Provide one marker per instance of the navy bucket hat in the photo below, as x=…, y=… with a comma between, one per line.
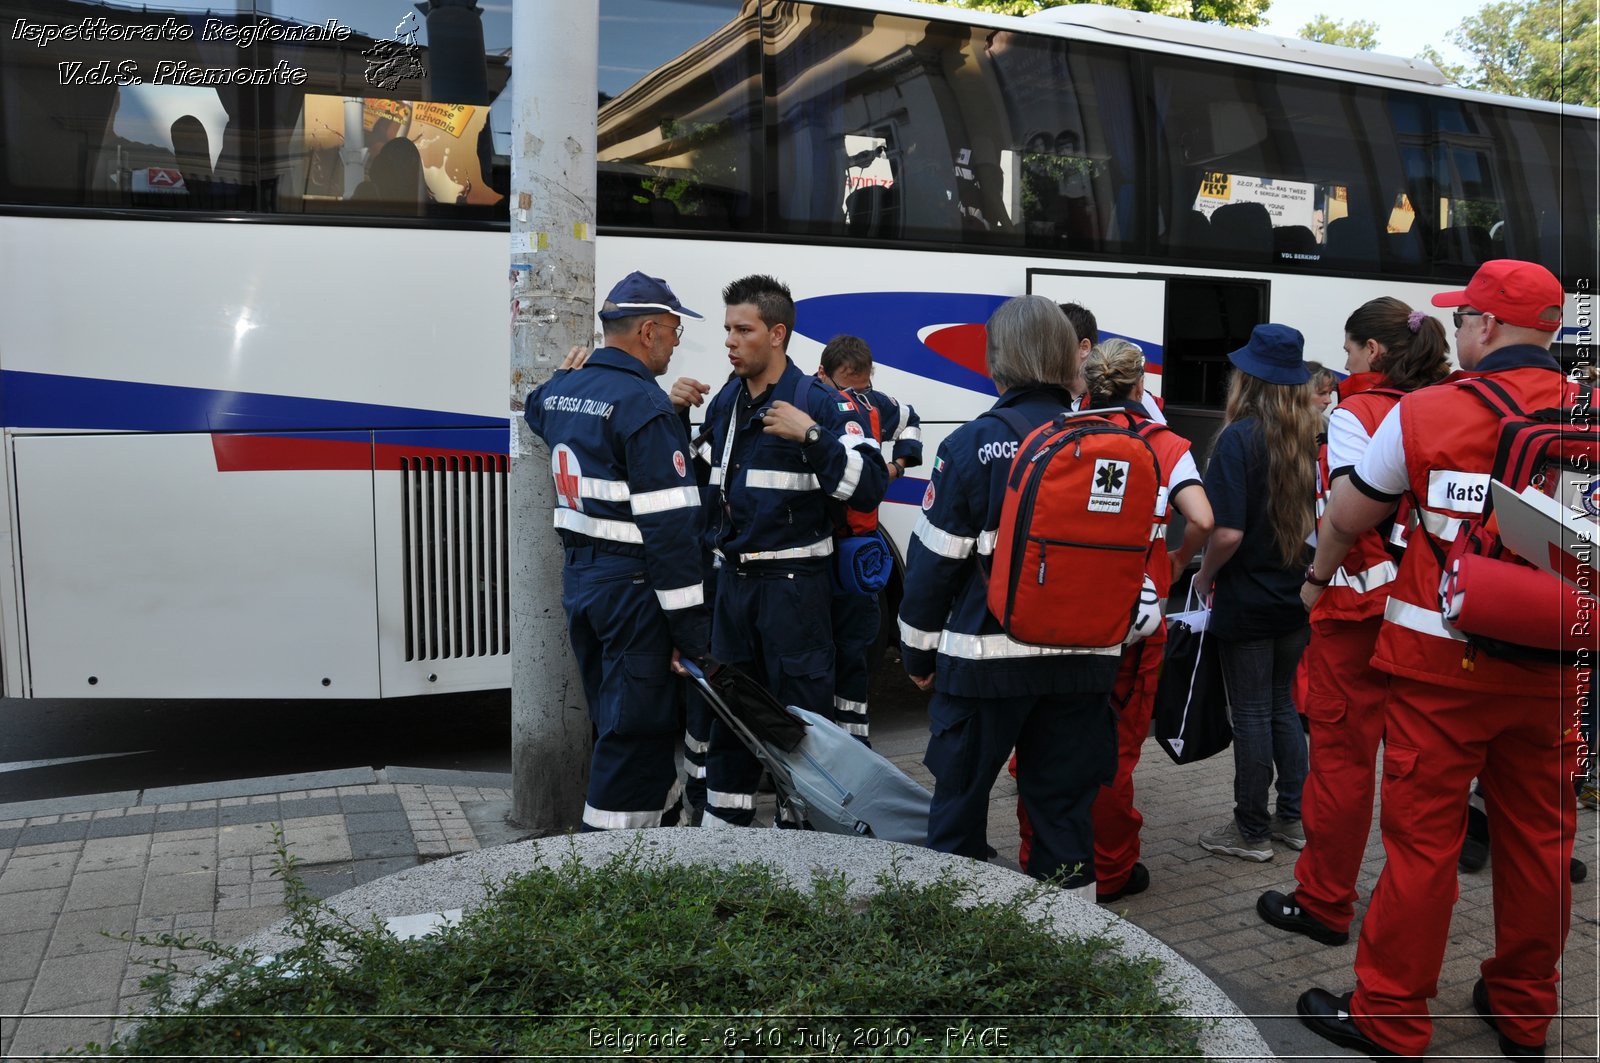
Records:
x=1275, y=353
x=638, y=294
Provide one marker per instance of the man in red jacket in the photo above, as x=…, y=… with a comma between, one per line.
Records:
x=1454, y=713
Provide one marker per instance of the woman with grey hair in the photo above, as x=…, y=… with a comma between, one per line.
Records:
x=990, y=693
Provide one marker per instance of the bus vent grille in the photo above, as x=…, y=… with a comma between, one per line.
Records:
x=453, y=535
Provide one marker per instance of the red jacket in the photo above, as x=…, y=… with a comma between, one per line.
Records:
x=1450, y=440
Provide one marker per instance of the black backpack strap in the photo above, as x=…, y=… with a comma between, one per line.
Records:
x=1492, y=395
x=1012, y=420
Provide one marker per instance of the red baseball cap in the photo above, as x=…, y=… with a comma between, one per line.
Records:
x=1518, y=293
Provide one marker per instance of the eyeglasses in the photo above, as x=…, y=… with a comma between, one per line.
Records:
x=677, y=330
x=1459, y=314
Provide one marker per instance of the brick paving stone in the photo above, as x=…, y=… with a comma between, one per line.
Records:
x=33, y=910
x=93, y=890
x=87, y=931
x=45, y=833
x=9, y=836
x=21, y=951
x=123, y=827
x=370, y=803
x=309, y=807
x=188, y=819
x=244, y=840
x=371, y=870
x=380, y=844
x=78, y=979
x=106, y=854
x=47, y=1036
x=376, y=822
x=37, y=871
x=171, y=894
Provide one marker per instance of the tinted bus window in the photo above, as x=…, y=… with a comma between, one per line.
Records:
x=902, y=128
x=680, y=114
x=285, y=106
x=1273, y=169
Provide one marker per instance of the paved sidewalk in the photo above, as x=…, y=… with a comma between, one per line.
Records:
x=198, y=860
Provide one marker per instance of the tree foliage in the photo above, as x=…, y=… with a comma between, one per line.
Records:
x=1542, y=49
x=1245, y=13
x=1357, y=33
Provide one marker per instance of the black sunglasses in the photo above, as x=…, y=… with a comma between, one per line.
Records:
x=1459, y=314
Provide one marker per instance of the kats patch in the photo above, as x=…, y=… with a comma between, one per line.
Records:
x=847, y=406
x=679, y=464
x=938, y=465
x=851, y=428
x=927, y=497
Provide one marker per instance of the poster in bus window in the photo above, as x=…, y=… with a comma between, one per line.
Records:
x=1287, y=202
x=412, y=151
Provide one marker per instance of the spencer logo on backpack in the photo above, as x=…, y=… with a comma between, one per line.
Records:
x=1503, y=604
x=1075, y=528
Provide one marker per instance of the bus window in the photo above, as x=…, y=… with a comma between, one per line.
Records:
x=90, y=122
x=394, y=120
x=1271, y=169
x=680, y=114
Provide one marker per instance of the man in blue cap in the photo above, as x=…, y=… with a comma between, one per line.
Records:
x=628, y=513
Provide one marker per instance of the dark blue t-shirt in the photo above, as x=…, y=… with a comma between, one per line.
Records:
x=1257, y=595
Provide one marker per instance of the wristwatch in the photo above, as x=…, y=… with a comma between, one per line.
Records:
x=1311, y=576
x=813, y=434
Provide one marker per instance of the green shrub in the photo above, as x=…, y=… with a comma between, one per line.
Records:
x=642, y=958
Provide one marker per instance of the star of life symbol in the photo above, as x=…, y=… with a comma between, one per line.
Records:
x=1109, y=486
x=392, y=61
x=569, y=477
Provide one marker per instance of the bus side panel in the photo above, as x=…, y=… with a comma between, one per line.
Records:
x=146, y=572
x=443, y=560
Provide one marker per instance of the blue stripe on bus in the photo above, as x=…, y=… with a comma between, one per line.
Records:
x=47, y=400
x=890, y=321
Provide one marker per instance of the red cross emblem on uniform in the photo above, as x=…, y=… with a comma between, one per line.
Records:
x=569, y=477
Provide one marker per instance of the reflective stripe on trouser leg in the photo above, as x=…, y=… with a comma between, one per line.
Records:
x=773, y=624
x=855, y=632
x=1116, y=821
x=624, y=649
x=1435, y=741
x=1344, y=706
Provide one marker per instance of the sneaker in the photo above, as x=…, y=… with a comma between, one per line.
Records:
x=1282, y=911
x=1227, y=839
x=1291, y=832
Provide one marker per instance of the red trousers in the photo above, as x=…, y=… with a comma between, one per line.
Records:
x=1116, y=821
x=1345, y=706
x=1522, y=750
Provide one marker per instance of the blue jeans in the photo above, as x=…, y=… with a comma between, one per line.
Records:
x=1266, y=729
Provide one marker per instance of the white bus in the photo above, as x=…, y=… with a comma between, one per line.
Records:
x=253, y=272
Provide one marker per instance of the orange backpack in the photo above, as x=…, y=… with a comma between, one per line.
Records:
x=1074, y=530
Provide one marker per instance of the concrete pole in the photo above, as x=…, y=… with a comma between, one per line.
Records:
x=555, y=55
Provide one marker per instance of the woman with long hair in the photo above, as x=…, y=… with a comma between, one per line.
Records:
x=1261, y=481
x=1391, y=349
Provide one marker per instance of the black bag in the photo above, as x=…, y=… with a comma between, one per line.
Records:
x=1191, y=712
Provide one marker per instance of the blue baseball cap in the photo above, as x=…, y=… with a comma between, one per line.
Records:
x=1275, y=353
x=638, y=294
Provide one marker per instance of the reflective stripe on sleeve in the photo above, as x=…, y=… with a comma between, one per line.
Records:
x=661, y=501
x=1378, y=575
x=821, y=548
x=917, y=639
x=699, y=746
x=909, y=432
x=1422, y=621
x=852, y=471
x=854, y=708
x=986, y=541
x=682, y=597
x=781, y=481
x=941, y=542
x=604, y=490
x=618, y=531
